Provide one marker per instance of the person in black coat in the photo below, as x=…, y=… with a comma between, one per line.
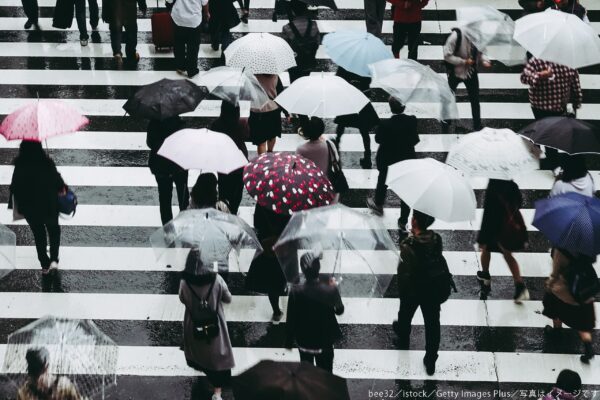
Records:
x=32, y=12
x=302, y=34
x=223, y=17
x=397, y=138
x=165, y=171
x=311, y=315
x=119, y=15
x=35, y=187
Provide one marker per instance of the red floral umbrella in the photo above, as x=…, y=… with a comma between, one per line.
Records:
x=286, y=183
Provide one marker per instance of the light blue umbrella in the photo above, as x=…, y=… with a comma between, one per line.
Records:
x=355, y=50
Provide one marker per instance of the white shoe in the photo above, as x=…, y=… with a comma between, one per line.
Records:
x=53, y=266
x=216, y=397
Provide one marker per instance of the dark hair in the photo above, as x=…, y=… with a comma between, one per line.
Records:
x=569, y=381
x=310, y=265
x=573, y=168
x=37, y=361
x=31, y=152
x=313, y=128
x=396, y=106
x=230, y=115
x=297, y=8
x=204, y=193
x=423, y=220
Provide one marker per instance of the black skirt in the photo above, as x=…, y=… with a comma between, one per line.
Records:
x=266, y=276
x=366, y=119
x=580, y=317
x=264, y=126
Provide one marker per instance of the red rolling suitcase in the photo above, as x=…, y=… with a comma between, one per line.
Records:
x=163, y=35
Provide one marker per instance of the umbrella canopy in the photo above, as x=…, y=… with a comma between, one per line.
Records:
x=164, y=99
x=416, y=85
x=570, y=221
x=319, y=96
x=332, y=233
x=493, y=153
x=272, y=380
x=564, y=133
x=203, y=149
x=234, y=85
x=325, y=3
x=559, y=37
x=8, y=246
x=355, y=50
x=76, y=350
x=434, y=188
x=41, y=120
x=285, y=183
x=260, y=53
x=214, y=234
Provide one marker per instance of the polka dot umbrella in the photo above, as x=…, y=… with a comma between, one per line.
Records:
x=42, y=119
x=286, y=183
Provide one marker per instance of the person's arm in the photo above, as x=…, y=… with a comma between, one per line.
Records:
x=182, y=297
x=142, y=5
x=338, y=306
x=380, y=133
x=290, y=329
x=205, y=9
x=530, y=76
x=225, y=293
x=450, y=48
x=405, y=267
x=576, y=94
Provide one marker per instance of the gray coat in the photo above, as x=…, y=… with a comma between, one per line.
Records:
x=458, y=57
x=217, y=355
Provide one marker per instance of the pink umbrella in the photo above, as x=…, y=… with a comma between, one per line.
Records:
x=42, y=119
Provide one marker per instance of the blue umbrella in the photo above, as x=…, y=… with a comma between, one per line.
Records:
x=570, y=221
x=355, y=50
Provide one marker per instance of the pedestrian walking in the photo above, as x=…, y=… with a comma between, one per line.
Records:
x=419, y=253
x=502, y=230
x=80, y=17
x=303, y=36
x=265, y=123
x=572, y=7
x=311, y=315
x=207, y=345
x=245, y=9
x=205, y=194
x=32, y=12
x=534, y=6
x=165, y=171
x=231, y=186
x=462, y=59
x=560, y=304
x=397, y=138
x=374, y=13
x=187, y=17
x=35, y=187
x=122, y=14
x=223, y=17
x=407, y=18
x=574, y=177
x=265, y=275
x=567, y=387
x=364, y=121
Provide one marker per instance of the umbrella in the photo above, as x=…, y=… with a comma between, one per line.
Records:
x=331, y=233
x=434, y=188
x=570, y=221
x=321, y=96
x=285, y=183
x=8, y=245
x=272, y=380
x=493, y=153
x=212, y=233
x=325, y=3
x=559, y=37
x=164, y=99
x=203, y=149
x=260, y=53
x=42, y=119
x=77, y=350
x=415, y=85
x=565, y=134
x=234, y=85
x=354, y=50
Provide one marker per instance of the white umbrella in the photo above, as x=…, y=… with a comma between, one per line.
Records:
x=493, y=153
x=559, y=37
x=324, y=96
x=8, y=246
x=234, y=85
x=203, y=149
x=260, y=53
x=434, y=188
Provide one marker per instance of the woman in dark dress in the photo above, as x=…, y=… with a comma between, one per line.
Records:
x=364, y=121
x=502, y=230
x=265, y=123
x=245, y=9
x=223, y=17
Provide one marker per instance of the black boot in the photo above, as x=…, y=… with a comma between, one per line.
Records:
x=588, y=352
x=365, y=162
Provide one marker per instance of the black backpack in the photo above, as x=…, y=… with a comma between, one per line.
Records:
x=582, y=280
x=434, y=277
x=304, y=45
x=449, y=66
x=204, y=318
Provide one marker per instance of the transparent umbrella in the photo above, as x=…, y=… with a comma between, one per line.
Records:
x=8, y=245
x=234, y=85
x=416, y=86
x=213, y=233
x=77, y=350
x=334, y=234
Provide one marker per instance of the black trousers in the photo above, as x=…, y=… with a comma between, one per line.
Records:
x=165, y=194
x=231, y=189
x=401, y=32
x=552, y=159
x=472, y=85
x=381, y=191
x=323, y=360
x=186, y=48
x=364, y=134
x=116, y=38
x=39, y=228
x=81, y=17
x=31, y=9
x=431, y=317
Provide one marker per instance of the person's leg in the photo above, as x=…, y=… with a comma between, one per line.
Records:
x=521, y=292
x=431, y=318
x=472, y=85
x=94, y=13
x=403, y=326
x=586, y=338
x=399, y=38
x=339, y=131
x=193, y=48
x=307, y=357
x=116, y=37
x=380, y=13
x=32, y=11
x=183, y=193
x=165, y=195
x=381, y=188
x=271, y=144
x=370, y=7
x=179, y=45
x=414, y=30
x=261, y=148
x=131, y=43
x=274, y=301
x=53, y=229
x=81, y=20
x=325, y=359
x=404, y=213
x=486, y=257
x=453, y=82
x=39, y=236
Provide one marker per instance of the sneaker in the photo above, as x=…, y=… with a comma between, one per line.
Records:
x=588, y=353
x=365, y=162
x=376, y=208
x=429, y=366
x=484, y=278
x=53, y=266
x=84, y=42
x=118, y=60
x=244, y=18
x=214, y=46
x=521, y=293
x=276, y=317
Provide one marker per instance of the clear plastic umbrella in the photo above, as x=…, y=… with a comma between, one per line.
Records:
x=338, y=233
x=213, y=233
x=234, y=85
x=8, y=245
x=416, y=86
x=77, y=350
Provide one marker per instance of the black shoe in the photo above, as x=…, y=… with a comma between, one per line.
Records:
x=193, y=73
x=588, y=353
x=485, y=284
x=521, y=293
x=429, y=366
x=376, y=208
x=549, y=330
x=28, y=24
x=36, y=26
x=244, y=17
x=365, y=162
x=214, y=46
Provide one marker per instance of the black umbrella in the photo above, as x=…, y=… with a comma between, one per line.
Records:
x=271, y=380
x=164, y=99
x=564, y=133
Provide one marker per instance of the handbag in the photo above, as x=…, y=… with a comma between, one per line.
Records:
x=513, y=234
x=204, y=318
x=64, y=10
x=334, y=173
x=582, y=281
x=67, y=203
x=12, y=205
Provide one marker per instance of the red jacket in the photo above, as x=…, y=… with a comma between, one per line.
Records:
x=407, y=11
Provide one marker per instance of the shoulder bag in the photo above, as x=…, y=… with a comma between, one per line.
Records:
x=334, y=171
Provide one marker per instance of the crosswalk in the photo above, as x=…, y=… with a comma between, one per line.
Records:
x=492, y=349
